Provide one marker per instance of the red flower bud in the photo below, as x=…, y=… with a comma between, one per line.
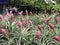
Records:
x=4, y=32
x=39, y=27
x=56, y=20
x=51, y=26
x=47, y=20
x=57, y=38
x=3, y=26
x=28, y=28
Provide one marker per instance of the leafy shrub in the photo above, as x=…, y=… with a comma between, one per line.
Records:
x=37, y=4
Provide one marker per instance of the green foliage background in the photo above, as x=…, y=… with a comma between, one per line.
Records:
x=39, y=4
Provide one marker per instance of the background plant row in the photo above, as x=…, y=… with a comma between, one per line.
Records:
x=37, y=4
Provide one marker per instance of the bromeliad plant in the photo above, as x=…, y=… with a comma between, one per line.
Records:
x=29, y=29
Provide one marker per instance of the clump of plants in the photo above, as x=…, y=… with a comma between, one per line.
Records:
x=41, y=29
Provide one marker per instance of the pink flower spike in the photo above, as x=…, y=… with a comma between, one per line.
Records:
x=30, y=23
x=26, y=12
x=57, y=38
x=51, y=26
x=26, y=19
x=39, y=27
x=11, y=16
x=20, y=13
x=38, y=35
x=56, y=20
x=4, y=32
x=10, y=12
